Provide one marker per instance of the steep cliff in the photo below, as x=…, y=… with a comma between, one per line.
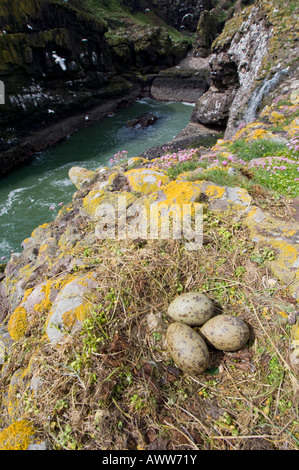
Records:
x=251, y=58
x=60, y=59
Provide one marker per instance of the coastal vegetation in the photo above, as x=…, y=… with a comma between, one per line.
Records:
x=85, y=364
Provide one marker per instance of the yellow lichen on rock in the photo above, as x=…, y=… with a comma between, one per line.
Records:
x=112, y=178
x=79, y=313
x=37, y=228
x=72, y=304
x=276, y=117
x=247, y=130
x=18, y=323
x=214, y=192
x=146, y=180
x=178, y=192
x=17, y=436
x=95, y=198
x=259, y=134
x=293, y=128
x=285, y=265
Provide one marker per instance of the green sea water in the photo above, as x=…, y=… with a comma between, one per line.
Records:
x=33, y=194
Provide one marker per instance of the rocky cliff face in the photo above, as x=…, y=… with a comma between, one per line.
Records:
x=249, y=60
x=183, y=15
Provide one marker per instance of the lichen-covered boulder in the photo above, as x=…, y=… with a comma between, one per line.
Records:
x=146, y=180
x=81, y=177
x=268, y=232
x=97, y=198
x=71, y=306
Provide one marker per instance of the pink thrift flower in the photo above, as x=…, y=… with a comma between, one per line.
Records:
x=224, y=163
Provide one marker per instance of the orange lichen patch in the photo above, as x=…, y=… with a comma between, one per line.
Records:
x=266, y=111
x=276, y=117
x=146, y=180
x=26, y=270
x=18, y=323
x=11, y=400
x=247, y=130
x=79, y=313
x=45, y=304
x=284, y=265
x=289, y=253
x=172, y=202
x=259, y=134
x=73, y=302
x=18, y=436
x=214, y=192
x=39, y=227
x=288, y=232
x=113, y=177
x=95, y=198
x=178, y=192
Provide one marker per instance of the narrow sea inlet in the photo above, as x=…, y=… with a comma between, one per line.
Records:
x=33, y=194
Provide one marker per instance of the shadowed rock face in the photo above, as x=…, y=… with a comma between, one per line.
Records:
x=181, y=14
x=213, y=107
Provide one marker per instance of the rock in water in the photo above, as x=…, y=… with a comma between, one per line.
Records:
x=142, y=121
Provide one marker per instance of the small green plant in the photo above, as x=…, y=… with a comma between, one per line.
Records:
x=87, y=252
x=262, y=256
x=276, y=371
x=66, y=440
x=240, y=271
x=137, y=401
x=61, y=404
x=157, y=335
x=255, y=148
x=176, y=170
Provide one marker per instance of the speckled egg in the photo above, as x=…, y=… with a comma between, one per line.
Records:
x=191, y=308
x=226, y=332
x=187, y=348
